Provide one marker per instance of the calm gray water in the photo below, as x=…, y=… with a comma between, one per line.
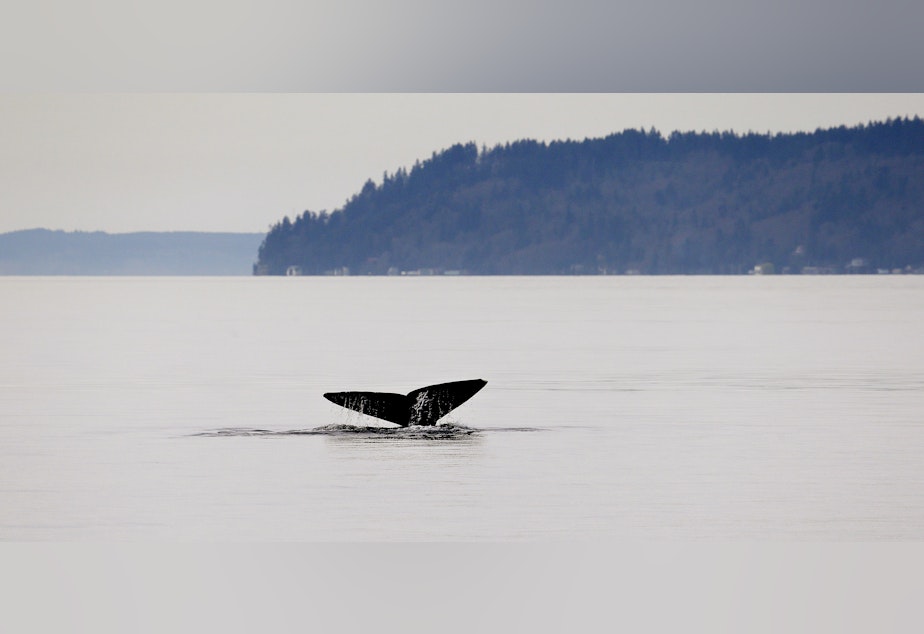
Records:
x=654, y=407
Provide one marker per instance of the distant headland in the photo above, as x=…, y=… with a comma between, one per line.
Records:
x=45, y=252
x=839, y=200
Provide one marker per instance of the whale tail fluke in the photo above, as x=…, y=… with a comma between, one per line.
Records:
x=424, y=406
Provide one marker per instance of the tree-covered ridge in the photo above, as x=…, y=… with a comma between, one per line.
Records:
x=632, y=201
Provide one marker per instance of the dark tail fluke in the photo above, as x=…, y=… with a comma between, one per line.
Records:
x=420, y=407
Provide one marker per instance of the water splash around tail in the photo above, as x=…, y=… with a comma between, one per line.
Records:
x=435, y=432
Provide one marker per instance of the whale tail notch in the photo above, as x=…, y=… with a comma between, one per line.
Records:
x=424, y=406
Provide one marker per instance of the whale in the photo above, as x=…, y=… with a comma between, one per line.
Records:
x=423, y=406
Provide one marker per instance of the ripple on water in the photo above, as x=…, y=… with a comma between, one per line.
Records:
x=447, y=431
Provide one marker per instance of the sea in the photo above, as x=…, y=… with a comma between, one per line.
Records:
x=667, y=408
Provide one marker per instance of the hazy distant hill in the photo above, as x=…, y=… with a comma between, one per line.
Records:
x=44, y=252
x=633, y=201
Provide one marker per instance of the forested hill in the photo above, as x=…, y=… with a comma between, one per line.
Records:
x=633, y=201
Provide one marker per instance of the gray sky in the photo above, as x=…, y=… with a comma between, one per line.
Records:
x=240, y=162
x=472, y=46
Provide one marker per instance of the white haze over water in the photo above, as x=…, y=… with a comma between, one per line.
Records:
x=616, y=407
x=240, y=162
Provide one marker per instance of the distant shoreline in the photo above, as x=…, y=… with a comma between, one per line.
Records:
x=173, y=253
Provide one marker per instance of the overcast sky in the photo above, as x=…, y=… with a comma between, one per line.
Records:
x=472, y=46
x=240, y=162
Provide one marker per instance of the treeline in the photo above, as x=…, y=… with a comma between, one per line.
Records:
x=633, y=201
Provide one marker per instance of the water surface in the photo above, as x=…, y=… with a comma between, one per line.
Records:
x=665, y=407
